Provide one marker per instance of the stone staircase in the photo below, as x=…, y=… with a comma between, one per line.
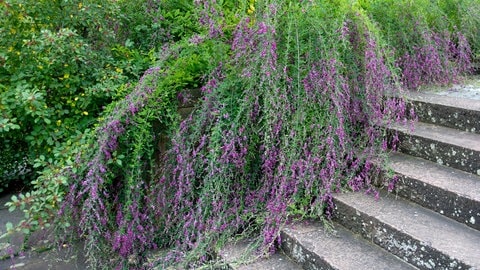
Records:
x=430, y=221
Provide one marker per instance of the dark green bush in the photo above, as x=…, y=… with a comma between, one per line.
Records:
x=61, y=62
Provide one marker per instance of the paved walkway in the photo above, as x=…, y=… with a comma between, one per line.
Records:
x=469, y=89
x=67, y=258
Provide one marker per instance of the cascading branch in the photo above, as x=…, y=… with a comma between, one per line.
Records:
x=295, y=111
x=429, y=38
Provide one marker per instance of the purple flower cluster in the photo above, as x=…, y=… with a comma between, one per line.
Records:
x=439, y=60
x=92, y=202
x=209, y=14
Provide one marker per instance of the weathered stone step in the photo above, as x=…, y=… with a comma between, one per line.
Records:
x=309, y=244
x=458, y=113
x=417, y=235
x=237, y=256
x=450, y=192
x=445, y=146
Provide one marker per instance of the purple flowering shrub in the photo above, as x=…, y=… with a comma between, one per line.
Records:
x=110, y=202
x=106, y=200
x=438, y=61
x=430, y=46
x=281, y=127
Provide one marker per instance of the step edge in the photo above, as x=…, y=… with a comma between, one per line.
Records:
x=453, y=102
x=235, y=256
x=360, y=243
x=465, y=178
x=462, y=206
x=426, y=246
x=452, y=140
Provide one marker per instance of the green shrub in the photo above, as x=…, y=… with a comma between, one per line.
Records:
x=61, y=62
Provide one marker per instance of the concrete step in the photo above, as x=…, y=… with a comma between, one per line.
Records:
x=238, y=256
x=415, y=234
x=458, y=113
x=445, y=146
x=313, y=247
x=450, y=192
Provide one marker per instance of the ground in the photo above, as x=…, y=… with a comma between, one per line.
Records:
x=61, y=258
